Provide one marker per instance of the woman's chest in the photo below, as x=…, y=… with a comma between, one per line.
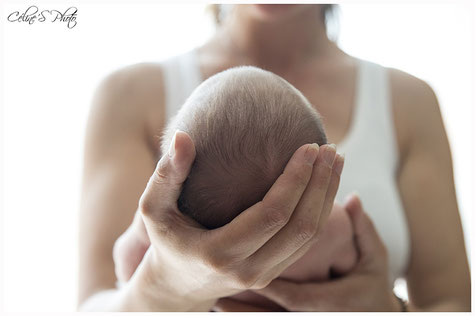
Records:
x=335, y=106
x=332, y=89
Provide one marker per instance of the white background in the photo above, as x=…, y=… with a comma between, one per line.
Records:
x=50, y=72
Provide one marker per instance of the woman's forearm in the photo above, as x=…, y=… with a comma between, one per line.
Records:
x=147, y=291
x=130, y=299
x=103, y=301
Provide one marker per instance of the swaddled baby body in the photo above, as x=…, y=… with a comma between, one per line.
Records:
x=246, y=123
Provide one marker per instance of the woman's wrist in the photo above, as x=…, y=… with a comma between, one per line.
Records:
x=146, y=291
x=138, y=298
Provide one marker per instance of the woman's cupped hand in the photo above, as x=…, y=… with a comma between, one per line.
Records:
x=167, y=261
x=365, y=288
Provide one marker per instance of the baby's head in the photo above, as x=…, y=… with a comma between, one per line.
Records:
x=245, y=123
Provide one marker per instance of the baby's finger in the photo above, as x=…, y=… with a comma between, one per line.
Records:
x=255, y=226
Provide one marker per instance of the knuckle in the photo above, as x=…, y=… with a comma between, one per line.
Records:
x=260, y=284
x=161, y=223
x=325, y=168
x=277, y=216
x=302, y=175
x=146, y=203
x=218, y=263
x=307, y=229
x=145, y=207
x=160, y=176
x=324, y=174
x=245, y=280
x=242, y=279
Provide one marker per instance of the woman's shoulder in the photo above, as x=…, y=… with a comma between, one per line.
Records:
x=140, y=82
x=134, y=96
x=407, y=89
x=414, y=101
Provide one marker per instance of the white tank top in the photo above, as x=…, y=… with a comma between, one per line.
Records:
x=370, y=148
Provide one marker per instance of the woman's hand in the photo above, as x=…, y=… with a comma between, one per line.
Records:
x=188, y=267
x=366, y=288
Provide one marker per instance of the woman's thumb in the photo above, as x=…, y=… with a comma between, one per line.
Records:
x=165, y=184
x=368, y=242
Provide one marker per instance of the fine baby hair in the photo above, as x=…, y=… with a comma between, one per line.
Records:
x=245, y=123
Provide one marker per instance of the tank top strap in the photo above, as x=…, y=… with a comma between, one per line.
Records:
x=372, y=159
x=373, y=120
x=181, y=76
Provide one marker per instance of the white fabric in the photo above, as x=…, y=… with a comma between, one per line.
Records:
x=371, y=160
x=370, y=149
x=181, y=76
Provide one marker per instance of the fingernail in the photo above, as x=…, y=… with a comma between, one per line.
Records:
x=171, y=149
x=311, y=153
x=329, y=154
x=339, y=163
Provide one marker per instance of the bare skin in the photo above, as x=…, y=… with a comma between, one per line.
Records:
x=128, y=113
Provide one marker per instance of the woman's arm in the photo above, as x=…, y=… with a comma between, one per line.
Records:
x=365, y=288
x=438, y=275
x=119, y=159
x=186, y=267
